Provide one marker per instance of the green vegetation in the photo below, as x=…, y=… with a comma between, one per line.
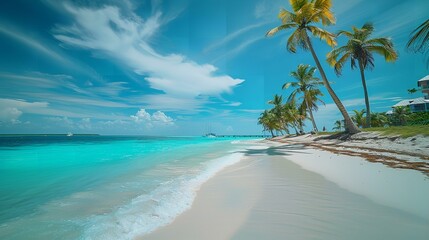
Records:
x=304, y=15
x=359, y=49
x=307, y=85
x=401, y=122
x=403, y=131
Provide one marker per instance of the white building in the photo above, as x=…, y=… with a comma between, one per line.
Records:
x=420, y=104
x=424, y=85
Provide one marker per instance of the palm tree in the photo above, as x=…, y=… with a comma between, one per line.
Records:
x=379, y=119
x=307, y=85
x=360, y=49
x=304, y=14
x=338, y=125
x=401, y=113
x=358, y=117
x=294, y=116
x=268, y=121
x=419, y=41
x=279, y=113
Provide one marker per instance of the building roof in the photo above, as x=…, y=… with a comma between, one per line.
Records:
x=424, y=79
x=408, y=102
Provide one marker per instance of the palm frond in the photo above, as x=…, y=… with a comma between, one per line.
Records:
x=419, y=41
x=332, y=56
x=297, y=4
x=279, y=28
x=326, y=15
x=289, y=84
x=388, y=53
x=387, y=42
x=345, y=33
x=338, y=67
x=324, y=35
x=295, y=39
x=286, y=16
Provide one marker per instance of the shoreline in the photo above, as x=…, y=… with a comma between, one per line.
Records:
x=252, y=198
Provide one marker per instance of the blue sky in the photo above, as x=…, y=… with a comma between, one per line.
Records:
x=167, y=67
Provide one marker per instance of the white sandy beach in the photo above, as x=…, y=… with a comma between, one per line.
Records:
x=289, y=191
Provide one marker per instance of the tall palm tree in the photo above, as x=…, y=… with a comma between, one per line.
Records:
x=304, y=14
x=307, y=85
x=419, y=41
x=358, y=117
x=360, y=49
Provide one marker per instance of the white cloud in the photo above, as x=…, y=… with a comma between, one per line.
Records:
x=84, y=123
x=141, y=116
x=51, y=52
x=233, y=104
x=62, y=121
x=125, y=39
x=160, y=117
x=242, y=46
x=44, y=108
x=233, y=35
x=46, y=86
x=11, y=109
x=9, y=114
x=157, y=118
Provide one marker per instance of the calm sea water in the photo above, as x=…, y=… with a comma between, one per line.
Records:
x=102, y=187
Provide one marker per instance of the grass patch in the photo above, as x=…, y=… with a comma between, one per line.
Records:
x=326, y=133
x=403, y=131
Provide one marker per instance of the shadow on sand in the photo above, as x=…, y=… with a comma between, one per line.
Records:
x=283, y=150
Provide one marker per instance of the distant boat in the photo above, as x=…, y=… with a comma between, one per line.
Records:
x=210, y=135
x=69, y=134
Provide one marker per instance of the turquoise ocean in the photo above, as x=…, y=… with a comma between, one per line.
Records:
x=103, y=187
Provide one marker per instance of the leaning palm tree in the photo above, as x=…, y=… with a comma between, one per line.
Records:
x=360, y=49
x=304, y=14
x=419, y=41
x=307, y=85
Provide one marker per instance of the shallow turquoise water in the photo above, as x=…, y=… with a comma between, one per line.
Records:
x=102, y=187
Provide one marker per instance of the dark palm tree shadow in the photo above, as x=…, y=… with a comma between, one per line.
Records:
x=283, y=150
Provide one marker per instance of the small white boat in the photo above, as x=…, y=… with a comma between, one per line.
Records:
x=69, y=134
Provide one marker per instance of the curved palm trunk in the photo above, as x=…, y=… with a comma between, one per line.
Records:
x=272, y=134
x=311, y=116
x=350, y=127
x=368, y=111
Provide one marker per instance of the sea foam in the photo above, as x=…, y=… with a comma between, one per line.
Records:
x=148, y=212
